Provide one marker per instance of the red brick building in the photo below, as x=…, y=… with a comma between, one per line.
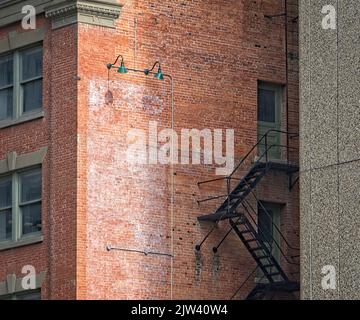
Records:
x=75, y=209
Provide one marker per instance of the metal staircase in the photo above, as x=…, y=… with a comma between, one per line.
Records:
x=242, y=217
x=228, y=208
x=260, y=251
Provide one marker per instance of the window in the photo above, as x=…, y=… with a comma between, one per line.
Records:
x=25, y=295
x=266, y=105
x=21, y=83
x=5, y=209
x=269, y=215
x=270, y=97
x=20, y=205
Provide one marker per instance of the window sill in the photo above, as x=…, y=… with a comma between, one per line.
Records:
x=22, y=119
x=23, y=242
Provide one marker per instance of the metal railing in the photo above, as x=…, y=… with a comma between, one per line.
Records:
x=263, y=141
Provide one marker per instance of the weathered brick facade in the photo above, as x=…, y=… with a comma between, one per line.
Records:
x=217, y=52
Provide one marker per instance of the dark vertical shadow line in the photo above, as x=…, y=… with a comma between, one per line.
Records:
x=337, y=16
x=310, y=188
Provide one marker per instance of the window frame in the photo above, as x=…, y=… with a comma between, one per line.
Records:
x=12, y=84
x=278, y=91
x=17, y=295
x=7, y=177
x=18, y=114
x=274, y=137
x=17, y=236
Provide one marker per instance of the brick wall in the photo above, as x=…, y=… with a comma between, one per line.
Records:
x=216, y=53
x=92, y=198
x=56, y=130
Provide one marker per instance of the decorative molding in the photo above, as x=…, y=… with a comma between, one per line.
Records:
x=10, y=12
x=15, y=40
x=65, y=12
x=101, y=13
x=11, y=283
x=13, y=161
x=14, y=285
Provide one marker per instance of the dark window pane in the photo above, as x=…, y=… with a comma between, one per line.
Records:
x=30, y=186
x=26, y=295
x=266, y=105
x=32, y=93
x=265, y=225
x=31, y=218
x=6, y=103
x=6, y=71
x=34, y=295
x=5, y=193
x=5, y=225
x=32, y=63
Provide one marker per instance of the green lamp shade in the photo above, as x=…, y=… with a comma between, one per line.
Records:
x=159, y=75
x=122, y=68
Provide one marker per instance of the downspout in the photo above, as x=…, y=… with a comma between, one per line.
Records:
x=287, y=81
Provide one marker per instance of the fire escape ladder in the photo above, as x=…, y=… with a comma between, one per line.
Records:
x=243, y=217
x=259, y=250
x=228, y=208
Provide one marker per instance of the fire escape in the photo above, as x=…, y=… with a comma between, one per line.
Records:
x=241, y=207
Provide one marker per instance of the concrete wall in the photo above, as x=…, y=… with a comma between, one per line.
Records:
x=330, y=149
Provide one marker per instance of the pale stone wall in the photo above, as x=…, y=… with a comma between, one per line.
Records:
x=330, y=148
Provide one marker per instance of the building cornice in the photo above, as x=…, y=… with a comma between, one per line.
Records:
x=64, y=12
x=102, y=13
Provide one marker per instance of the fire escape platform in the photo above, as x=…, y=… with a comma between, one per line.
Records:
x=217, y=216
x=281, y=166
x=243, y=220
x=277, y=165
x=289, y=286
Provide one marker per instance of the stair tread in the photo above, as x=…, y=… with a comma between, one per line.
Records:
x=252, y=177
x=256, y=249
x=263, y=257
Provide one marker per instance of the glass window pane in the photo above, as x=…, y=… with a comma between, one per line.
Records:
x=26, y=295
x=32, y=95
x=32, y=63
x=6, y=103
x=265, y=225
x=5, y=225
x=5, y=193
x=33, y=295
x=266, y=105
x=30, y=186
x=6, y=71
x=31, y=218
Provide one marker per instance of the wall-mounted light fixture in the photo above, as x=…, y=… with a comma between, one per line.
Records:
x=159, y=75
x=122, y=69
